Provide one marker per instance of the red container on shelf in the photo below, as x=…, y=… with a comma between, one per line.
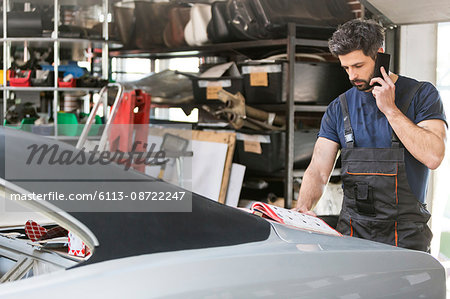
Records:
x=20, y=79
x=68, y=84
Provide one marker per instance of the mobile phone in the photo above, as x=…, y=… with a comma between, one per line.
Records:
x=382, y=60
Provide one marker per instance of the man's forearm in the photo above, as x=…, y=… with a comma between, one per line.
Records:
x=424, y=145
x=311, y=190
x=317, y=174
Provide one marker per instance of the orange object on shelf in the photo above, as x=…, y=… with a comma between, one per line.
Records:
x=7, y=76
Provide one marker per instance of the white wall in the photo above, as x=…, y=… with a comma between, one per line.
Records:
x=418, y=59
x=418, y=52
x=440, y=188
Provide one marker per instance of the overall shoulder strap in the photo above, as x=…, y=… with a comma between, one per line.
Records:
x=349, y=139
x=404, y=109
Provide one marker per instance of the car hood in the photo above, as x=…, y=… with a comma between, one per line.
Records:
x=308, y=265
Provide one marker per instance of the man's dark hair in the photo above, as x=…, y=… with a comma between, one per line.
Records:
x=365, y=35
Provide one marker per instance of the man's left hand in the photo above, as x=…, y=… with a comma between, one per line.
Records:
x=384, y=94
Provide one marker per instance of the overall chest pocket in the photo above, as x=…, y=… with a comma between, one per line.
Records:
x=371, y=187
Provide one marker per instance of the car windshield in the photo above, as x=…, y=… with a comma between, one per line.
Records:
x=29, y=245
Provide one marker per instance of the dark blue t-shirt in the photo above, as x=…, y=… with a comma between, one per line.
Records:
x=371, y=128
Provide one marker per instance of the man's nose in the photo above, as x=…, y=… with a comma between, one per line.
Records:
x=352, y=75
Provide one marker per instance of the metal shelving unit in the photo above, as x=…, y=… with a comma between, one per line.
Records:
x=161, y=53
x=49, y=88
x=291, y=43
x=65, y=42
x=57, y=45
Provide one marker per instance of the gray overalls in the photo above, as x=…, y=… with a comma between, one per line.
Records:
x=378, y=202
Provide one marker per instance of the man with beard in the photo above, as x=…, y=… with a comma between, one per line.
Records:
x=390, y=136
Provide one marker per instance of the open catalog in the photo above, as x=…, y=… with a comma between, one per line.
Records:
x=293, y=218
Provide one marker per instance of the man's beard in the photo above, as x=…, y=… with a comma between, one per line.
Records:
x=365, y=86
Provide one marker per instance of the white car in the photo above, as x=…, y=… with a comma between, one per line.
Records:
x=214, y=251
